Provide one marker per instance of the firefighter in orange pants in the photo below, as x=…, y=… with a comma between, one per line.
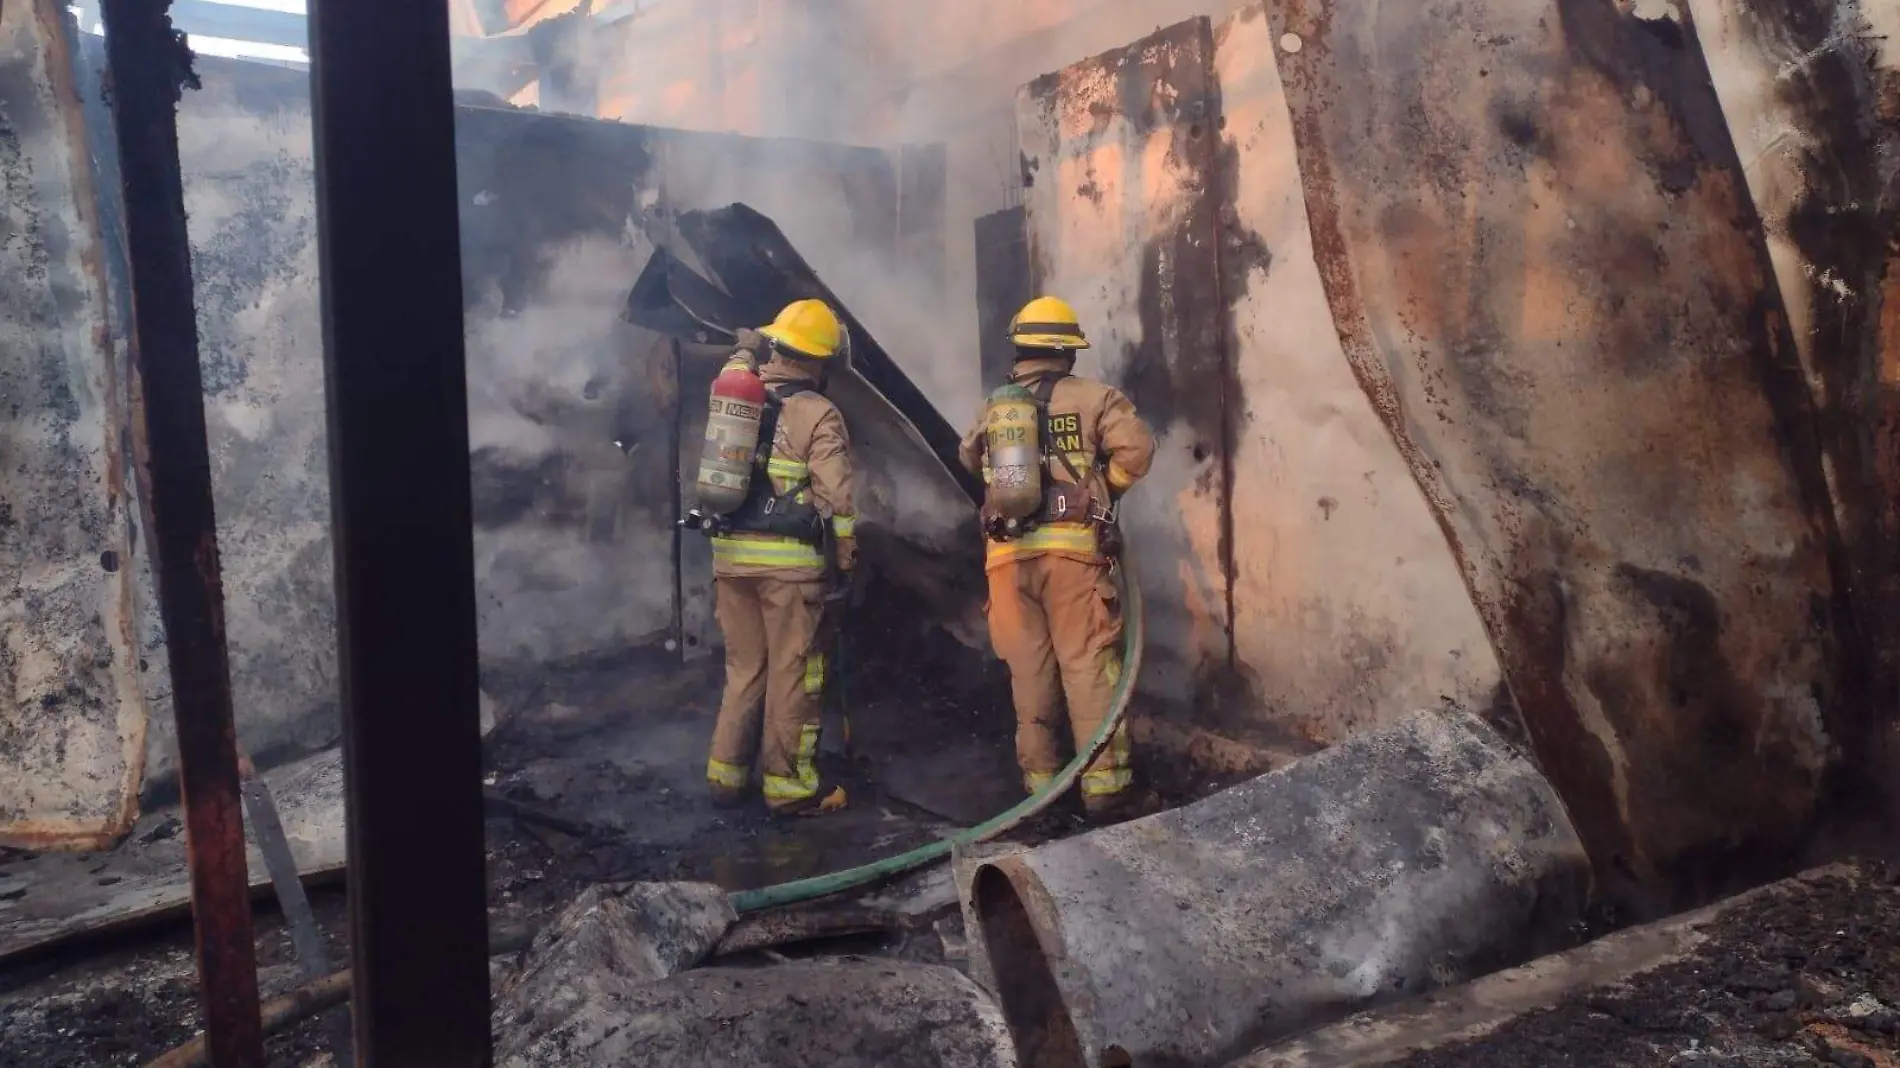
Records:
x=771, y=577
x=1054, y=609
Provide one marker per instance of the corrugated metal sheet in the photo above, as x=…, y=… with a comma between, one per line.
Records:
x=1538, y=249
x=72, y=717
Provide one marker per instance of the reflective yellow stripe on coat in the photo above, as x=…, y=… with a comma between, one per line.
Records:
x=1055, y=537
x=772, y=550
x=786, y=472
x=766, y=550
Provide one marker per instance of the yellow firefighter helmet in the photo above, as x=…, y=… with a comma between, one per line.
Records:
x=1047, y=323
x=807, y=328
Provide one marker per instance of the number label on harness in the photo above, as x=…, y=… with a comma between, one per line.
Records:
x=1064, y=432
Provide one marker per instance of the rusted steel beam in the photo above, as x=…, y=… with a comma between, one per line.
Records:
x=149, y=68
x=395, y=377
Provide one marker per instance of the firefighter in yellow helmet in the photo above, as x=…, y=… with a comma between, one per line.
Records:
x=772, y=577
x=1054, y=610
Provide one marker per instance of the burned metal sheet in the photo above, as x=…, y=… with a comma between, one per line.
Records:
x=250, y=203
x=1349, y=609
x=1813, y=104
x=1119, y=155
x=762, y=272
x=915, y=525
x=72, y=715
x=1536, y=244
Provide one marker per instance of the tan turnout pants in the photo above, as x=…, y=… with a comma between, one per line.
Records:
x=775, y=664
x=1056, y=621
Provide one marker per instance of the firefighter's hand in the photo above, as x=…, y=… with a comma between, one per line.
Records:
x=748, y=339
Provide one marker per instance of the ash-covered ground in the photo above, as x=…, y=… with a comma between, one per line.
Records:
x=598, y=771
x=1810, y=977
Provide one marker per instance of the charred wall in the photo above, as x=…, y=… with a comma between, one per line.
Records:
x=1349, y=608
x=569, y=405
x=572, y=410
x=1118, y=156
x=1296, y=582
x=245, y=145
x=72, y=707
x=1813, y=102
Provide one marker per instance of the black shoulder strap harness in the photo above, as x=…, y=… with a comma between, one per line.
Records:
x=767, y=511
x=775, y=397
x=1044, y=389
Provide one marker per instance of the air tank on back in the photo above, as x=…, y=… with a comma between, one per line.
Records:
x=732, y=435
x=1012, y=425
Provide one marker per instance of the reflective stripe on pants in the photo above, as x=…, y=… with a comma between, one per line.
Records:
x=1056, y=622
x=726, y=776
x=775, y=675
x=802, y=784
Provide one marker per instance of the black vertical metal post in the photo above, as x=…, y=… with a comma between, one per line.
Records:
x=149, y=68
x=389, y=243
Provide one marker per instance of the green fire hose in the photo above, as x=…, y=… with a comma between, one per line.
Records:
x=1133, y=643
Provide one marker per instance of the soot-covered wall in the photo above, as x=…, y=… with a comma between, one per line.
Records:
x=1296, y=581
x=72, y=706
x=572, y=410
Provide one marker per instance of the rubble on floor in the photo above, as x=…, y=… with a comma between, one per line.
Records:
x=607, y=984
x=1798, y=974
x=593, y=958
x=121, y=1007
x=51, y=899
x=849, y=1013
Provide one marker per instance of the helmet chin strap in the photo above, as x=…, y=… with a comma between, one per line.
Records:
x=820, y=369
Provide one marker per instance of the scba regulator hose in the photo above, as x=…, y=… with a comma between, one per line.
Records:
x=1133, y=643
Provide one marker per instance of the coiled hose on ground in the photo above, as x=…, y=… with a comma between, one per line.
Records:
x=1133, y=643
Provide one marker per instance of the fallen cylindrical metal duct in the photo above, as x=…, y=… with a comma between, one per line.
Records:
x=1411, y=857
